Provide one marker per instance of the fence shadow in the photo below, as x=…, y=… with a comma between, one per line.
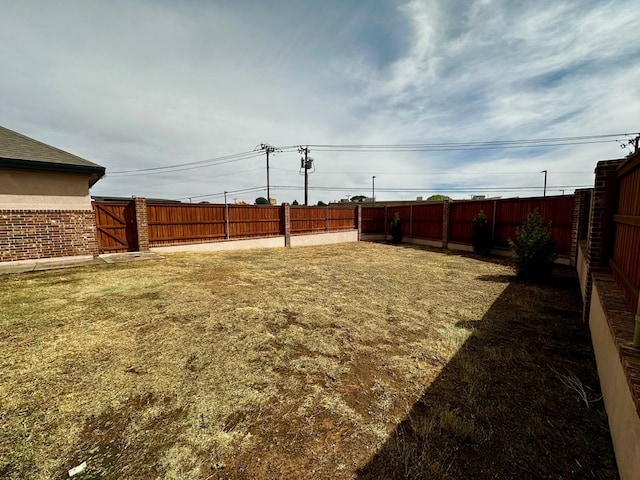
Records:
x=509, y=404
x=493, y=258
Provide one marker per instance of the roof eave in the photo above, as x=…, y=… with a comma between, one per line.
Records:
x=95, y=172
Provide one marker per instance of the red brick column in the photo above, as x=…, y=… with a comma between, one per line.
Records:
x=602, y=206
x=142, y=228
x=581, y=208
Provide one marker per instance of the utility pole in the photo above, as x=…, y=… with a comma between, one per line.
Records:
x=306, y=163
x=373, y=190
x=265, y=147
x=544, y=193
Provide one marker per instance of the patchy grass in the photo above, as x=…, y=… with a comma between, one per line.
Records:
x=351, y=361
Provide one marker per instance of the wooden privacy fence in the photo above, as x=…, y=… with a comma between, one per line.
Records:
x=450, y=222
x=506, y=215
x=132, y=225
x=321, y=219
x=625, y=251
x=171, y=223
x=115, y=226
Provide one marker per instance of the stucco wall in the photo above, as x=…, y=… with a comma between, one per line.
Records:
x=35, y=190
x=624, y=421
x=323, y=238
x=271, y=242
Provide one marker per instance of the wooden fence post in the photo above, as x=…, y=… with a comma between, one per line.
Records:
x=359, y=221
x=445, y=224
x=326, y=218
x=493, y=226
x=386, y=221
x=411, y=220
x=227, y=233
x=286, y=224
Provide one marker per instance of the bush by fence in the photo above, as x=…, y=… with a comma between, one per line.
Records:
x=452, y=222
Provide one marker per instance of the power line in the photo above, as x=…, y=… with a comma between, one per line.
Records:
x=414, y=189
x=386, y=189
x=493, y=143
x=190, y=165
x=443, y=148
x=450, y=172
x=221, y=194
x=372, y=148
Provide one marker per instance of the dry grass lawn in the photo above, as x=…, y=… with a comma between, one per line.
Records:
x=359, y=360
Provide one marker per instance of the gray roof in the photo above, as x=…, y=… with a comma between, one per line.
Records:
x=20, y=151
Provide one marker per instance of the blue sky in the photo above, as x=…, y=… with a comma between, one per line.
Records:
x=144, y=84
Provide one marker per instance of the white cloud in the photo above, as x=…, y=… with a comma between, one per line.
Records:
x=135, y=85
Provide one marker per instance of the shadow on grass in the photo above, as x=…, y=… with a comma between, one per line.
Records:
x=492, y=258
x=502, y=407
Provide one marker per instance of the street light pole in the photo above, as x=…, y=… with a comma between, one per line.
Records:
x=544, y=193
x=373, y=189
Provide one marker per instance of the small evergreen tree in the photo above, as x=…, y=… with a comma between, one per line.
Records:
x=295, y=202
x=533, y=249
x=481, y=234
x=262, y=201
x=396, y=229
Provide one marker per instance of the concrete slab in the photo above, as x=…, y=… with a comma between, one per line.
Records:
x=40, y=264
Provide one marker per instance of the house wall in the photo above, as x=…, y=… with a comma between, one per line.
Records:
x=36, y=190
x=624, y=422
x=45, y=215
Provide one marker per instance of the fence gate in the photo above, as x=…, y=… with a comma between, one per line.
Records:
x=116, y=226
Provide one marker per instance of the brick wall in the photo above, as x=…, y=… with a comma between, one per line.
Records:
x=602, y=204
x=142, y=226
x=580, y=225
x=32, y=234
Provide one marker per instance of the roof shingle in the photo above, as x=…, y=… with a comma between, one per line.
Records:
x=20, y=151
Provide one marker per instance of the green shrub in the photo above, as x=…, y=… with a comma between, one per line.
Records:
x=261, y=201
x=396, y=229
x=533, y=249
x=481, y=235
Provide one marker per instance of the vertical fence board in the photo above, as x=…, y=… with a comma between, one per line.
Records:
x=373, y=220
x=318, y=219
x=625, y=253
x=427, y=221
